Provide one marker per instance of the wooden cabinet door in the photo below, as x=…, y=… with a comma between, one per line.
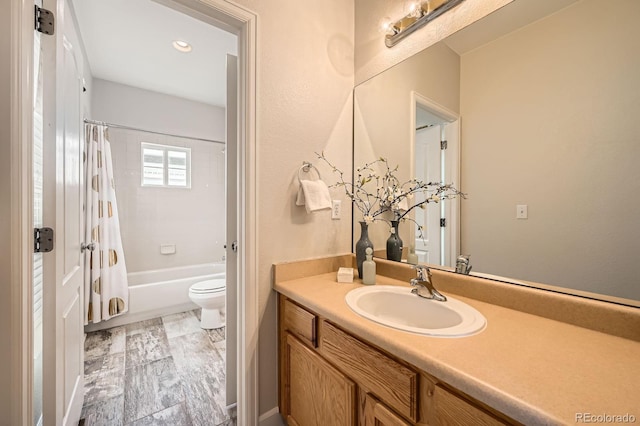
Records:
x=374, y=413
x=316, y=394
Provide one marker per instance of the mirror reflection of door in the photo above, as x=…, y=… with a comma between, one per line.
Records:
x=428, y=169
x=435, y=160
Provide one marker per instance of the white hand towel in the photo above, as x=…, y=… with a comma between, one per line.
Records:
x=313, y=195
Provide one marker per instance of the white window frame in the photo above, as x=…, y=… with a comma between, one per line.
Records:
x=166, y=149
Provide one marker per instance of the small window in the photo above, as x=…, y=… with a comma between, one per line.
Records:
x=167, y=166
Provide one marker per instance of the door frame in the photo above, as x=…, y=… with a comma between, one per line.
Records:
x=452, y=164
x=21, y=220
x=229, y=16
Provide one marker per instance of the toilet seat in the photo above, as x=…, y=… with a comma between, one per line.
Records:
x=210, y=295
x=209, y=286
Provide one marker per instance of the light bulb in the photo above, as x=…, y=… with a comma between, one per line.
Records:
x=386, y=26
x=414, y=8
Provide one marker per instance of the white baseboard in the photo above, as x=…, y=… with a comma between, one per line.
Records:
x=271, y=418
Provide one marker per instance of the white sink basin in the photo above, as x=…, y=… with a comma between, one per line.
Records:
x=397, y=307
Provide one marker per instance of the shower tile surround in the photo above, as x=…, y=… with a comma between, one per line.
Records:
x=151, y=216
x=165, y=371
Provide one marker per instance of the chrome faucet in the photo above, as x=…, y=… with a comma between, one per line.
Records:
x=424, y=286
x=462, y=264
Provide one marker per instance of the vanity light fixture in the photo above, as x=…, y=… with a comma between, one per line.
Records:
x=419, y=14
x=182, y=46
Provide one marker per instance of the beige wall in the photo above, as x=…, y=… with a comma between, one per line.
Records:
x=371, y=54
x=568, y=149
x=305, y=79
x=383, y=116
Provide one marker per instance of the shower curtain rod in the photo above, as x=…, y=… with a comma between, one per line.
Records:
x=120, y=126
x=425, y=126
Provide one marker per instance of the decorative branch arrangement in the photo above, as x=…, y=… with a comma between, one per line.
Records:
x=388, y=193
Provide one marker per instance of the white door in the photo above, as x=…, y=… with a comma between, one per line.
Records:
x=428, y=169
x=62, y=193
x=232, y=229
x=450, y=210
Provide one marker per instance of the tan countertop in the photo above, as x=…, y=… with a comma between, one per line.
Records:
x=533, y=369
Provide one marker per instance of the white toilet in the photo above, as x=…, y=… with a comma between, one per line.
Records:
x=210, y=296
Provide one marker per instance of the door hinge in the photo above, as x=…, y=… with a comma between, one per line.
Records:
x=443, y=222
x=234, y=246
x=42, y=240
x=443, y=144
x=45, y=21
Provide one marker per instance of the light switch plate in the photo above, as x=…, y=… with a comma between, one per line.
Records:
x=522, y=211
x=336, y=209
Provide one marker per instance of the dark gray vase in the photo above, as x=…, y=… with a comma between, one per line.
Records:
x=394, y=244
x=361, y=246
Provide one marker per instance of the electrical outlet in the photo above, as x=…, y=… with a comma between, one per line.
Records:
x=336, y=209
x=521, y=211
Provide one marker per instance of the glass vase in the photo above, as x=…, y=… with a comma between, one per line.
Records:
x=361, y=246
x=394, y=243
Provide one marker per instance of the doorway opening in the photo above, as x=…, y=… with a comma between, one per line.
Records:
x=158, y=87
x=435, y=147
x=62, y=325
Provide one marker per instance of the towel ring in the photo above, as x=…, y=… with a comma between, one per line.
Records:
x=306, y=167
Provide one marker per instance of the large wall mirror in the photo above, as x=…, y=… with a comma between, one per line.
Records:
x=540, y=103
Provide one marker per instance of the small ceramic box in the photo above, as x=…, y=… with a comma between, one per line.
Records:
x=345, y=275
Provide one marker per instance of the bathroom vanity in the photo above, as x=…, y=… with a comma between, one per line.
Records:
x=366, y=383
x=338, y=368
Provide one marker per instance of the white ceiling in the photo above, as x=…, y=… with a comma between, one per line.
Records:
x=129, y=42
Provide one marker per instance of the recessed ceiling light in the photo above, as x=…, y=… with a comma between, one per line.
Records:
x=182, y=46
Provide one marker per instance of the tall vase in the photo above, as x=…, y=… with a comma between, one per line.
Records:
x=394, y=243
x=361, y=246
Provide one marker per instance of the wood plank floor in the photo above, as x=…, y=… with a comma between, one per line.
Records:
x=165, y=371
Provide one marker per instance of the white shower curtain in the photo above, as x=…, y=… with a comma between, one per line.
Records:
x=105, y=286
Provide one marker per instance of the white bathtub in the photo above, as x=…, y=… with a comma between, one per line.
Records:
x=161, y=292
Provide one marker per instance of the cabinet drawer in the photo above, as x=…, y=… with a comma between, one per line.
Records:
x=392, y=382
x=300, y=322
